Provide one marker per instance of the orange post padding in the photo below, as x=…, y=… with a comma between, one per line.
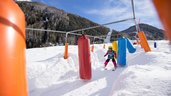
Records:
x=13, y=80
x=143, y=41
x=92, y=48
x=163, y=8
x=66, y=51
x=104, y=46
x=138, y=42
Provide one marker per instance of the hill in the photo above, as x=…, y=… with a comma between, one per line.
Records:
x=45, y=17
x=151, y=32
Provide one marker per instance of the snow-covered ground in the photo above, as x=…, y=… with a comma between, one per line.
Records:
x=146, y=74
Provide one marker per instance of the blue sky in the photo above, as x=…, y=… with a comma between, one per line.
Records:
x=104, y=11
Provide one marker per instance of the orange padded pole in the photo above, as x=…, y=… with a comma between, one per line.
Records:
x=143, y=41
x=92, y=48
x=12, y=50
x=163, y=8
x=104, y=46
x=66, y=51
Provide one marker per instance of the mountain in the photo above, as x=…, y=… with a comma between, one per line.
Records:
x=41, y=16
x=151, y=32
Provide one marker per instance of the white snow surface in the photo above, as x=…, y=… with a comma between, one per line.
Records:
x=146, y=74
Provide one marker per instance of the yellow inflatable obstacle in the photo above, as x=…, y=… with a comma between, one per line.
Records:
x=115, y=46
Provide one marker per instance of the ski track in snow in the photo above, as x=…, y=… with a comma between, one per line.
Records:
x=50, y=75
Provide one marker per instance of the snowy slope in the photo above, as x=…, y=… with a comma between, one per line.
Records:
x=147, y=74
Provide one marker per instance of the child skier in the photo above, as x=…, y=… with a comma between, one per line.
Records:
x=111, y=54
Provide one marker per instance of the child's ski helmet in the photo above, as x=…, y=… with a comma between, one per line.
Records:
x=110, y=47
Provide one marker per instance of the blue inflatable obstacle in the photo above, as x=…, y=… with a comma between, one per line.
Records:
x=130, y=46
x=124, y=43
x=155, y=44
x=121, y=60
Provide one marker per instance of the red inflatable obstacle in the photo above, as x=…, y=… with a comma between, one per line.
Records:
x=12, y=50
x=84, y=57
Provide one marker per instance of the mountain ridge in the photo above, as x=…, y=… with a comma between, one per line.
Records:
x=151, y=32
x=41, y=16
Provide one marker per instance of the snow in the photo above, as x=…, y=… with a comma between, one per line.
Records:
x=146, y=74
